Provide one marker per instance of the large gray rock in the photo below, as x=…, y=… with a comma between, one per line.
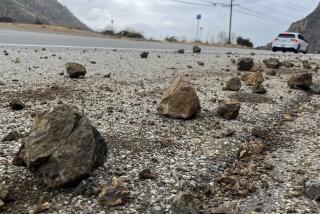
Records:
x=245, y=63
x=185, y=203
x=272, y=63
x=62, y=146
x=312, y=189
x=196, y=49
x=234, y=84
x=179, y=100
x=75, y=70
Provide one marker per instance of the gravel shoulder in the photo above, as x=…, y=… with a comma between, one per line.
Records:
x=185, y=155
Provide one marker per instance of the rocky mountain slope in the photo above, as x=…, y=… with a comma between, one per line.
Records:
x=310, y=28
x=38, y=11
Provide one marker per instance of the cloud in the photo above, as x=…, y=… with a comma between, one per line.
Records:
x=161, y=18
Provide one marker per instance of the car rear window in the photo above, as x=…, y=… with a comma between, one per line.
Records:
x=285, y=35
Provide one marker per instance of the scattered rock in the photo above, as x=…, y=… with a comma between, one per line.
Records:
x=196, y=49
x=312, y=190
x=144, y=55
x=11, y=136
x=252, y=79
x=234, y=84
x=185, y=203
x=108, y=75
x=251, y=149
x=16, y=105
x=245, y=63
x=147, y=174
x=114, y=194
x=75, y=70
x=272, y=63
x=181, y=51
x=271, y=73
x=200, y=63
x=179, y=100
x=62, y=146
x=302, y=81
x=17, y=61
x=259, y=89
x=260, y=133
x=4, y=193
x=306, y=64
x=287, y=64
x=229, y=109
x=93, y=62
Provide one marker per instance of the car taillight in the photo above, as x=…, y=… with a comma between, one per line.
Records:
x=294, y=40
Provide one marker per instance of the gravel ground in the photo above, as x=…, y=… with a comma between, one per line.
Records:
x=185, y=155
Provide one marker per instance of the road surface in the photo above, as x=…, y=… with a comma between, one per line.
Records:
x=42, y=39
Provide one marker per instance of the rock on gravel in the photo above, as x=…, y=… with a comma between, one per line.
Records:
x=185, y=203
x=75, y=70
x=306, y=64
x=181, y=51
x=245, y=63
x=229, y=109
x=62, y=146
x=234, y=84
x=144, y=55
x=253, y=78
x=4, y=195
x=302, y=81
x=16, y=105
x=114, y=194
x=259, y=89
x=312, y=189
x=11, y=136
x=287, y=64
x=272, y=63
x=179, y=100
x=196, y=49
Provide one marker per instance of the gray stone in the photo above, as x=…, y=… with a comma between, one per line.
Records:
x=63, y=147
x=196, y=49
x=75, y=70
x=234, y=84
x=245, y=63
x=272, y=63
x=185, y=203
x=312, y=189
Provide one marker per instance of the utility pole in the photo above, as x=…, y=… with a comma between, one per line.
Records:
x=230, y=22
x=199, y=16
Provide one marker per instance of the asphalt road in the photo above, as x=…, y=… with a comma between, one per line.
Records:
x=41, y=39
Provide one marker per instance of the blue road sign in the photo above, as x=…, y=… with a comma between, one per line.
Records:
x=199, y=16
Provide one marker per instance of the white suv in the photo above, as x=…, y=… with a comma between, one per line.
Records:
x=289, y=41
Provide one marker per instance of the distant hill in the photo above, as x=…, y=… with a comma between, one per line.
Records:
x=310, y=28
x=38, y=12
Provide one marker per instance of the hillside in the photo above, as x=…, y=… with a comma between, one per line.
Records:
x=37, y=12
x=310, y=28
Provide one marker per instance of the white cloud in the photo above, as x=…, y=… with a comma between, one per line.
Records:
x=161, y=18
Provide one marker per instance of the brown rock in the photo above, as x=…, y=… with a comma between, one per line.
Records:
x=75, y=70
x=302, y=81
x=185, y=203
x=16, y=105
x=253, y=78
x=229, y=109
x=147, y=174
x=306, y=65
x=245, y=63
x=179, y=100
x=287, y=64
x=114, y=194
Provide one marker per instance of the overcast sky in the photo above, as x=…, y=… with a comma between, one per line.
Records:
x=259, y=20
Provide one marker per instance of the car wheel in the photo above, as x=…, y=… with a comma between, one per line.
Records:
x=274, y=49
x=306, y=51
x=297, y=50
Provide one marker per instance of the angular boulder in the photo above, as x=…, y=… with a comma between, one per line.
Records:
x=75, y=70
x=144, y=55
x=179, y=100
x=312, y=189
x=245, y=63
x=272, y=63
x=63, y=147
x=253, y=78
x=196, y=49
x=229, y=109
x=259, y=89
x=234, y=84
x=301, y=81
x=287, y=64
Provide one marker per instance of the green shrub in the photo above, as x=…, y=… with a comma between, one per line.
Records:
x=171, y=39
